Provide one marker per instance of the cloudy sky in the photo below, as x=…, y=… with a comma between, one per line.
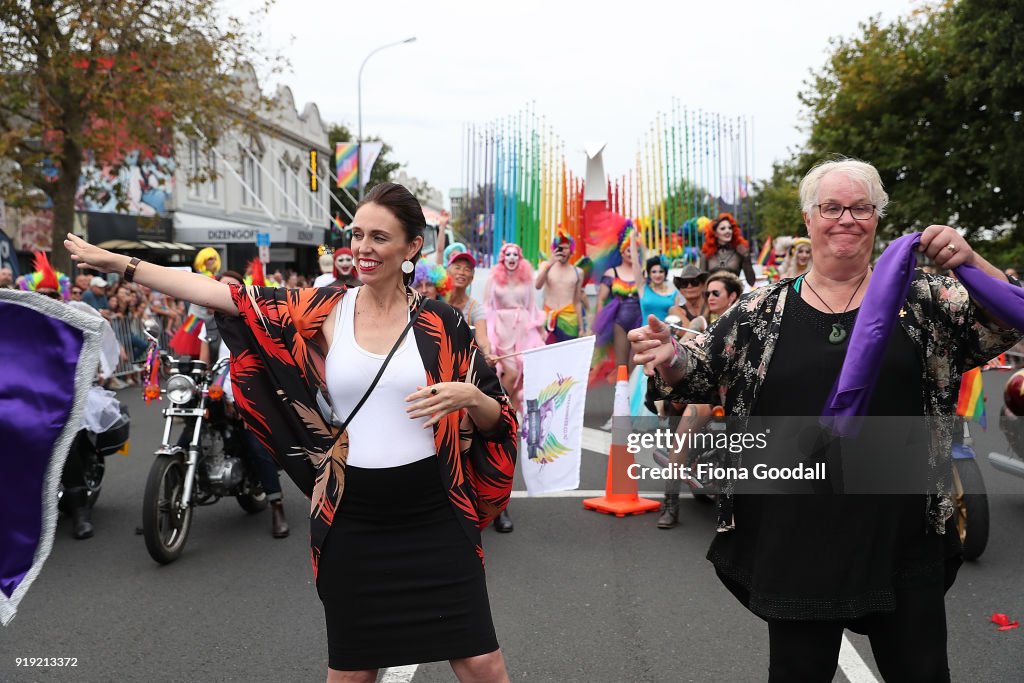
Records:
x=596, y=70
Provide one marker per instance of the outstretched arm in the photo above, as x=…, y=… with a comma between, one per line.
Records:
x=198, y=289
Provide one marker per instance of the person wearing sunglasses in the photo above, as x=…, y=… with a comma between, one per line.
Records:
x=722, y=290
x=691, y=303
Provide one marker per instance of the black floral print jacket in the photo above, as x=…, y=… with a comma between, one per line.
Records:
x=728, y=364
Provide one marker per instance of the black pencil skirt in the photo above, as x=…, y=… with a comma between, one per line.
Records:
x=399, y=579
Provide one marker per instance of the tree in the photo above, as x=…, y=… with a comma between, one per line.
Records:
x=96, y=79
x=933, y=101
x=777, y=201
x=381, y=172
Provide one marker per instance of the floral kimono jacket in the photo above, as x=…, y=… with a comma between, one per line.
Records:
x=728, y=364
x=277, y=371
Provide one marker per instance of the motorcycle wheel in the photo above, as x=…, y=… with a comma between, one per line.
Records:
x=164, y=525
x=971, y=508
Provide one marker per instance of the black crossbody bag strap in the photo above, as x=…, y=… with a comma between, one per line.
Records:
x=384, y=365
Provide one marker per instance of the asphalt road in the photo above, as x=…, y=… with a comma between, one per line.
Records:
x=576, y=596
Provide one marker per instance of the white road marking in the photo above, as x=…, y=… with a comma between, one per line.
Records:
x=852, y=666
x=589, y=493
x=399, y=674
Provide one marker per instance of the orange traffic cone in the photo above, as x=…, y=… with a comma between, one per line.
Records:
x=620, y=490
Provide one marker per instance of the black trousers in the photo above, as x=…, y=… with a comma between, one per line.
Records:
x=909, y=644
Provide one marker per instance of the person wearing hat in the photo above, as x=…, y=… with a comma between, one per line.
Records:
x=97, y=294
x=461, y=270
x=691, y=302
x=798, y=259
x=562, y=283
x=344, y=268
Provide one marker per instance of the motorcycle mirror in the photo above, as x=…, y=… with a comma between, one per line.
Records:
x=152, y=329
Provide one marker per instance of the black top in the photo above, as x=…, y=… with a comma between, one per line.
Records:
x=825, y=555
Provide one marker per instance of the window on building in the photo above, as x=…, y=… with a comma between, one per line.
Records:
x=282, y=180
x=252, y=183
x=193, y=170
x=295, y=190
x=211, y=165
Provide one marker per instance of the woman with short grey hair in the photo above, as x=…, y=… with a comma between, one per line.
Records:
x=814, y=564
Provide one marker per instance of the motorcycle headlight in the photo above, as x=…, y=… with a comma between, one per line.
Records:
x=180, y=389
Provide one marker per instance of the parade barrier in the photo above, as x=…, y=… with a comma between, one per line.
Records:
x=621, y=496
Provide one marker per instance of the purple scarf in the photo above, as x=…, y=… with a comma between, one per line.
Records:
x=886, y=294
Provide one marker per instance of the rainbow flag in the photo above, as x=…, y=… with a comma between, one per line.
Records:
x=766, y=253
x=338, y=224
x=971, y=403
x=345, y=161
x=191, y=323
x=185, y=341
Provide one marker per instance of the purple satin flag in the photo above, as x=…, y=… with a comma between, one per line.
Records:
x=886, y=294
x=48, y=355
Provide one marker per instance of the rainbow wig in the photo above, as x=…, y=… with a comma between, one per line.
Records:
x=45, y=278
x=433, y=274
x=563, y=238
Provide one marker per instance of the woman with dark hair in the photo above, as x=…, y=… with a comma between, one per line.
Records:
x=656, y=294
x=397, y=559
x=725, y=248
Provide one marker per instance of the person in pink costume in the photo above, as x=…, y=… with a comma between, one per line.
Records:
x=514, y=322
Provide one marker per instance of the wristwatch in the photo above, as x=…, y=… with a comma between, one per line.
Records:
x=129, y=272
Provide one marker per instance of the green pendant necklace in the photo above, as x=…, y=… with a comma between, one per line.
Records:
x=838, y=333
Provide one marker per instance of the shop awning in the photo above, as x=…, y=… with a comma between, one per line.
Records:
x=130, y=245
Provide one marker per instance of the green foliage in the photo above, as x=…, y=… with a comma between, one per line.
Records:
x=102, y=77
x=934, y=101
x=777, y=201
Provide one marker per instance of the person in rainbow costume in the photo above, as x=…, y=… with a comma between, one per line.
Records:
x=562, y=283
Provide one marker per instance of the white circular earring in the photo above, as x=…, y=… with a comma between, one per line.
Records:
x=408, y=267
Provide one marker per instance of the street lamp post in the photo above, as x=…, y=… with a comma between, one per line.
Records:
x=359, y=96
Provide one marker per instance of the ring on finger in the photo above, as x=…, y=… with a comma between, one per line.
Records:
x=952, y=248
x=433, y=391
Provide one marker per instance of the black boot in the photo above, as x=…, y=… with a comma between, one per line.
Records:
x=278, y=524
x=504, y=524
x=669, y=511
x=78, y=504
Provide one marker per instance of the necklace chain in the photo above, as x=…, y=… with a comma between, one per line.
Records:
x=838, y=332
x=811, y=287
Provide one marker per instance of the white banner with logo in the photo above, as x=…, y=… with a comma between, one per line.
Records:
x=554, y=395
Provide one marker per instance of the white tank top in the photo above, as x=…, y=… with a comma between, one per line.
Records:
x=381, y=434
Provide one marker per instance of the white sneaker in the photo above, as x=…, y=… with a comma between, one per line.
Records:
x=116, y=384
x=607, y=426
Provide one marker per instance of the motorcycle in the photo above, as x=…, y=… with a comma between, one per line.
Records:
x=1011, y=424
x=203, y=466
x=970, y=501
x=104, y=432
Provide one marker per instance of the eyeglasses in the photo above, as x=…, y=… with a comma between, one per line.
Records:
x=689, y=282
x=833, y=211
x=76, y=292
x=562, y=247
x=713, y=293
